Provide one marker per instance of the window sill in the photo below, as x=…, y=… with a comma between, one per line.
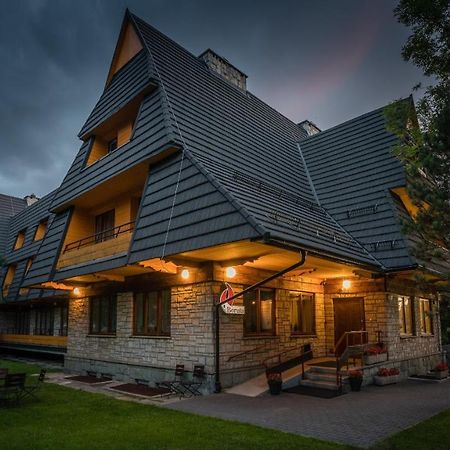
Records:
x=408, y=336
x=297, y=335
x=149, y=336
x=260, y=336
x=101, y=335
x=426, y=335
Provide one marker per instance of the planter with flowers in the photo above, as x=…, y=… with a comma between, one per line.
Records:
x=441, y=371
x=275, y=382
x=375, y=355
x=387, y=376
x=355, y=378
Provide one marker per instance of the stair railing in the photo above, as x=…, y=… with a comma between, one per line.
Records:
x=305, y=355
x=246, y=352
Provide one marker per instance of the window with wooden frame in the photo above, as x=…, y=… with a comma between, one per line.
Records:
x=302, y=313
x=44, y=321
x=426, y=316
x=9, y=277
x=22, y=322
x=102, y=318
x=20, y=239
x=41, y=229
x=152, y=313
x=104, y=226
x=406, y=315
x=259, y=317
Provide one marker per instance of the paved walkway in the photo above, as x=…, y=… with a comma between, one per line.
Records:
x=358, y=418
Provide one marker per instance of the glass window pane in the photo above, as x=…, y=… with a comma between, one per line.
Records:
x=112, y=314
x=139, y=314
x=152, y=311
x=307, y=314
x=266, y=301
x=401, y=317
x=250, y=316
x=165, y=312
x=408, y=315
x=294, y=312
x=95, y=304
x=104, y=315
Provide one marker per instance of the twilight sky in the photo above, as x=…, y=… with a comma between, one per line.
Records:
x=323, y=60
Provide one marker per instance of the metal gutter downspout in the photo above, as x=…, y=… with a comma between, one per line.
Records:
x=218, y=385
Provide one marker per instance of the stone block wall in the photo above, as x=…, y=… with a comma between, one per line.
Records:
x=129, y=357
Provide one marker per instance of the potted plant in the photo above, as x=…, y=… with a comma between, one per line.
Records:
x=355, y=378
x=375, y=355
x=386, y=376
x=275, y=382
x=441, y=370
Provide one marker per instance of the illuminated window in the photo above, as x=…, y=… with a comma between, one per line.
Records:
x=9, y=277
x=426, y=318
x=20, y=239
x=41, y=229
x=302, y=313
x=406, y=315
x=259, y=317
x=152, y=313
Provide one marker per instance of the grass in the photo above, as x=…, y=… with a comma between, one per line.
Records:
x=65, y=418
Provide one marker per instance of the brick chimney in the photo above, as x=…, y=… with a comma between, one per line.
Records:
x=224, y=68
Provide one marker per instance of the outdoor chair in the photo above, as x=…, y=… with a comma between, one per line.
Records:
x=175, y=385
x=32, y=389
x=198, y=377
x=13, y=388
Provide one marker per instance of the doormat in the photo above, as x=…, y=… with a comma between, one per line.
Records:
x=324, y=364
x=89, y=379
x=313, y=392
x=141, y=389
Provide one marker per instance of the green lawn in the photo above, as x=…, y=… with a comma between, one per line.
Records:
x=68, y=419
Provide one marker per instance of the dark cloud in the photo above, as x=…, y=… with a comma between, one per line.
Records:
x=325, y=60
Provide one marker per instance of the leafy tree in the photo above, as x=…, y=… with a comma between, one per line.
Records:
x=424, y=133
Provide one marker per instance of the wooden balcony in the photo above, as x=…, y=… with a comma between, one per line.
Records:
x=100, y=245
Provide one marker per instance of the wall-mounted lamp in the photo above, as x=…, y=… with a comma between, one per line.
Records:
x=76, y=291
x=346, y=284
x=185, y=274
x=230, y=272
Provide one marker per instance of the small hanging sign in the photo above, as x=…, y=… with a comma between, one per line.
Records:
x=228, y=307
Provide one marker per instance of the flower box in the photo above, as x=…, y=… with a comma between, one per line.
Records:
x=440, y=374
x=383, y=381
x=374, y=358
x=275, y=382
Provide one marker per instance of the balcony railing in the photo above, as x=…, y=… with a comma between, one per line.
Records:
x=35, y=332
x=102, y=236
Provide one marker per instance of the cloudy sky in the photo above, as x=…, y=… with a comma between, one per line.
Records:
x=323, y=60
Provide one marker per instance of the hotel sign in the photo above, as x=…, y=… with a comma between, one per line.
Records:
x=229, y=307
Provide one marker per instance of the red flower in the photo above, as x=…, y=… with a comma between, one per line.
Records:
x=273, y=376
x=355, y=374
x=441, y=367
x=385, y=372
x=375, y=350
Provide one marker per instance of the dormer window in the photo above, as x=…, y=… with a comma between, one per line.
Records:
x=41, y=229
x=9, y=277
x=112, y=145
x=20, y=239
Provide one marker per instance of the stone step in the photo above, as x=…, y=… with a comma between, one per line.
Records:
x=319, y=384
x=319, y=369
x=321, y=376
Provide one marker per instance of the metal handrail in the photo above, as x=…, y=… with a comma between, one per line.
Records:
x=346, y=335
x=93, y=239
x=254, y=349
x=278, y=355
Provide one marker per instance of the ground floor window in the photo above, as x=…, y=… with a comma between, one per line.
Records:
x=259, y=315
x=44, y=321
x=22, y=323
x=302, y=313
x=406, y=315
x=103, y=314
x=152, y=313
x=426, y=318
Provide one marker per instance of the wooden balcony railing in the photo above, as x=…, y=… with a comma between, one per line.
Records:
x=100, y=237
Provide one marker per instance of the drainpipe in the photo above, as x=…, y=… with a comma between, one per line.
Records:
x=218, y=385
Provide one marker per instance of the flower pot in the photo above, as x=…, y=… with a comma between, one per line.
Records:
x=440, y=374
x=355, y=384
x=375, y=358
x=383, y=381
x=275, y=387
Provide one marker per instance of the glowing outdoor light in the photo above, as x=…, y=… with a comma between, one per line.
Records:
x=230, y=272
x=185, y=274
x=76, y=291
x=346, y=284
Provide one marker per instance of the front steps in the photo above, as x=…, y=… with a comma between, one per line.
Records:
x=322, y=378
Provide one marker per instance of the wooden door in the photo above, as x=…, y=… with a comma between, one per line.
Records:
x=348, y=316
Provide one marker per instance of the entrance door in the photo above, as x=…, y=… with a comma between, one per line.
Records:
x=348, y=316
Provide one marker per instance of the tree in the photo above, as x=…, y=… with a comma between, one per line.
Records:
x=424, y=132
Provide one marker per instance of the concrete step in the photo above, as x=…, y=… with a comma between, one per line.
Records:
x=320, y=376
x=319, y=369
x=319, y=384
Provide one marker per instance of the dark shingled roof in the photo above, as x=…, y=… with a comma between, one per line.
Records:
x=9, y=206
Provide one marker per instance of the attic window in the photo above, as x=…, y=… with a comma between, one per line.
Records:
x=41, y=229
x=112, y=145
x=8, y=279
x=20, y=239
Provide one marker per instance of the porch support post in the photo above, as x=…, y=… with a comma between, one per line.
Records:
x=218, y=385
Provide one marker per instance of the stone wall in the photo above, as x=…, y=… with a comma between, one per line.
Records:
x=128, y=357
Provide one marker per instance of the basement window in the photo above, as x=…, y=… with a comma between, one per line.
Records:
x=41, y=229
x=20, y=239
